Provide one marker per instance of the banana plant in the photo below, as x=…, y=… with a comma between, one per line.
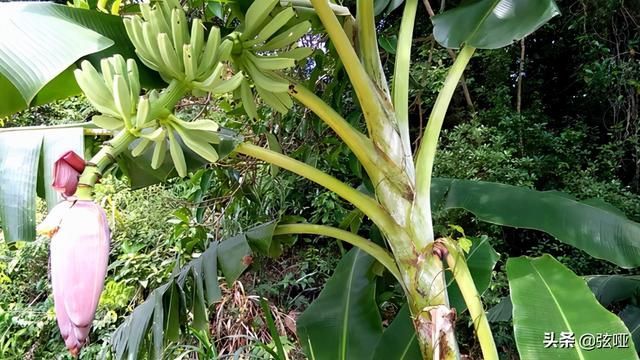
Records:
x=250, y=62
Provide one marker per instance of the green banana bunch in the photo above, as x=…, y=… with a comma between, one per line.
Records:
x=114, y=92
x=164, y=43
x=269, y=45
x=172, y=133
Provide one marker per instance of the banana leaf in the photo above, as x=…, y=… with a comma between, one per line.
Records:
x=491, y=24
x=601, y=233
x=190, y=290
x=41, y=44
x=343, y=322
x=554, y=309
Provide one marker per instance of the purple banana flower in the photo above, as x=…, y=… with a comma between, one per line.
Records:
x=80, y=241
x=66, y=171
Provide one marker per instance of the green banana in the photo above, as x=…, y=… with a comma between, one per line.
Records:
x=158, y=22
x=271, y=62
x=107, y=122
x=207, y=130
x=133, y=78
x=151, y=45
x=168, y=6
x=159, y=151
x=297, y=54
x=207, y=59
x=228, y=85
x=119, y=66
x=190, y=62
x=179, y=30
x=147, y=62
x=197, y=143
x=207, y=136
x=197, y=39
x=224, y=51
x=272, y=100
x=256, y=15
x=145, y=9
x=285, y=99
x=107, y=73
x=122, y=98
x=144, y=110
x=166, y=10
x=248, y=101
x=170, y=57
x=287, y=37
x=214, y=79
x=278, y=21
x=155, y=136
x=265, y=79
x=94, y=87
x=198, y=125
x=176, y=154
x=133, y=26
x=140, y=147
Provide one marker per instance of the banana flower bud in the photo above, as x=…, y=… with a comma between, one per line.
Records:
x=79, y=257
x=66, y=171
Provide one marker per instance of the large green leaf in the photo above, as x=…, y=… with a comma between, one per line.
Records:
x=491, y=24
x=26, y=157
x=18, y=176
x=39, y=42
x=191, y=289
x=612, y=288
x=601, y=233
x=549, y=298
x=502, y=311
x=343, y=323
x=42, y=41
x=631, y=317
x=399, y=341
x=607, y=289
x=480, y=260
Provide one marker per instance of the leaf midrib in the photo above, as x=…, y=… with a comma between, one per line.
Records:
x=555, y=300
x=345, y=322
x=406, y=348
x=482, y=20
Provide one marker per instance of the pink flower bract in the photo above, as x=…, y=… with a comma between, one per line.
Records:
x=66, y=171
x=79, y=258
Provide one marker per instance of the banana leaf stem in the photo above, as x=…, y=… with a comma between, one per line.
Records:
x=429, y=143
x=362, y=84
x=366, y=204
x=361, y=146
x=458, y=266
x=401, y=72
x=368, y=44
x=366, y=245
